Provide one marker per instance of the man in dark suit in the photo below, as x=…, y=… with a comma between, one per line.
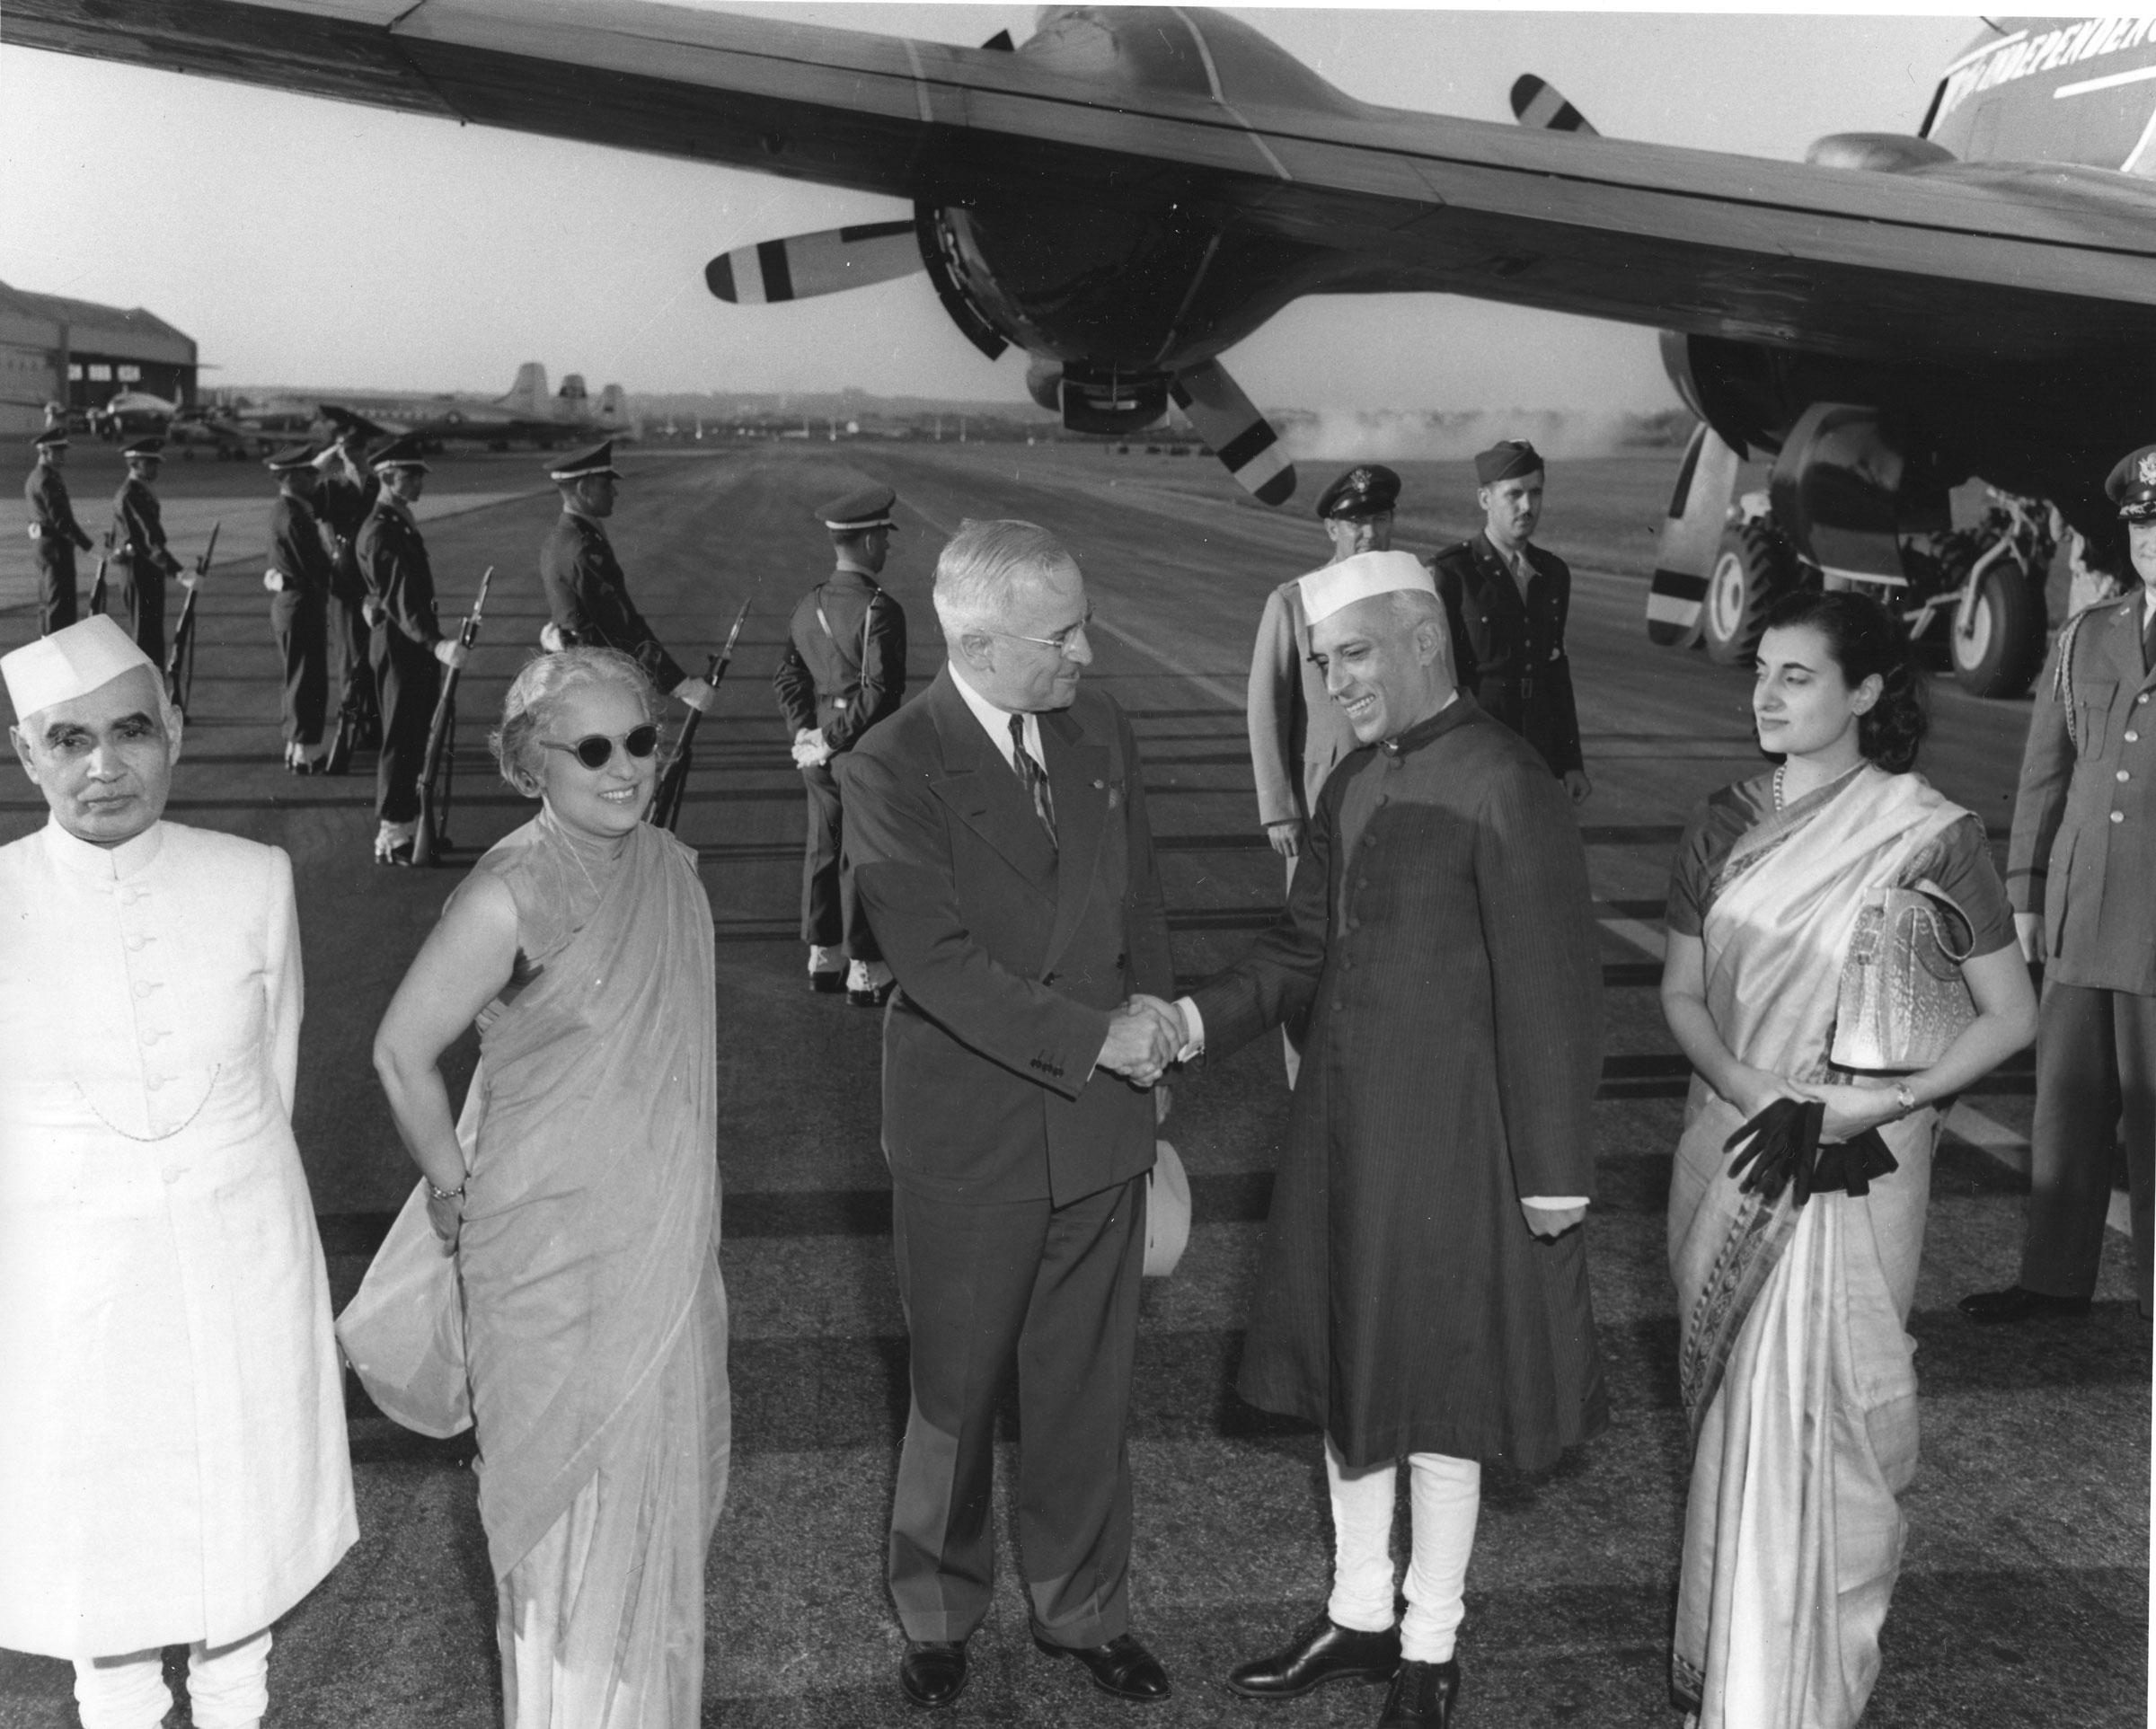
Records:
x=2081, y=876
x=842, y=671
x=298, y=580
x=1000, y=846
x=1507, y=601
x=408, y=650
x=139, y=546
x=1424, y=1291
x=54, y=531
x=587, y=599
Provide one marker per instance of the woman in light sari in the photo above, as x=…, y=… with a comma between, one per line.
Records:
x=585, y=1213
x=1795, y=1371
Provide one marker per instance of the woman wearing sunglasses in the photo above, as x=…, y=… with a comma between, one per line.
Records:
x=578, y=1195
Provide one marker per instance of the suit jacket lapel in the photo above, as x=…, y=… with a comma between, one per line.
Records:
x=1078, y=781
x=983, y=791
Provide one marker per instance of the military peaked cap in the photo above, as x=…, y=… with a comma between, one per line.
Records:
x=2133, y=485
x=151, y=449
x=582, y=464
x=1369, y=489
x=51, y=438
x=855, y=513
x=398, y=453
x=291, y=459
x=1506, y=460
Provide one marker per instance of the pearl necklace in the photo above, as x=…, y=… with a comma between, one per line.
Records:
x=1779, y=773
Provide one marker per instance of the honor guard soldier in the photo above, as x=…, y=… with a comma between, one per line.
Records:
x=347, y=493
x=586, y=594
x=407, y=648
x=139, y=546
x=843, y=669
x=54, y=531
x=1297, y=731
x=1509, y=600
x=298, y=579
x=2081, y=876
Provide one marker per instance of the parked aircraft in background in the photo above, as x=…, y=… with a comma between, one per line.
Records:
x=527, y=415
x=1133, y=191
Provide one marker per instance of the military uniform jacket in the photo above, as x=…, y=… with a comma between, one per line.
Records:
x=343, y=505
x=2083, y=851
x=1297, y=731
x=589, y=598
x=138, y=528
x=51, y=513
x=295, y=548
x=844, y=665
x=1509, y=650
x=393, y=559
x=1012, y=954
x=1439, y=935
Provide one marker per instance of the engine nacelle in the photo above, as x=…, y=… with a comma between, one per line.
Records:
x=1846, y=487
x=1111, y=402
x=1877, y=153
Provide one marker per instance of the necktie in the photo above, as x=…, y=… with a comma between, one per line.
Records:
x=1035, y=777
x=2148, y=637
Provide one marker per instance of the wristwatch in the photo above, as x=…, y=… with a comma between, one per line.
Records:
x=1904, y=1101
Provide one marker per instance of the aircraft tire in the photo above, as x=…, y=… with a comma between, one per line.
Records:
x=1756, y=570
x=2003, y=649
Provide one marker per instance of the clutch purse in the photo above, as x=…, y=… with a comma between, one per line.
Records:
x=1902, y=999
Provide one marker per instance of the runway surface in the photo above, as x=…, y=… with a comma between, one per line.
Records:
x=2024, y=1597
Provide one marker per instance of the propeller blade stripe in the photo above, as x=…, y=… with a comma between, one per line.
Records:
x=1246, y=446
x=1692, y=537
x=719, y=277
x=1240, y=436
x=1537, y=103
x=861, y=231
x=1672, y=588
x=771, y=267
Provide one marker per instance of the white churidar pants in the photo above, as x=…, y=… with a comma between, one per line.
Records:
x=1444, y=1498
x=228, y=1686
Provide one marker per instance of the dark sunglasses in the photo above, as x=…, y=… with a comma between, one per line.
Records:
x=596, y=750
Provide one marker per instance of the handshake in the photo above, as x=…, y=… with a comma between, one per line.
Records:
x=811, y=749
x=1144, y=1040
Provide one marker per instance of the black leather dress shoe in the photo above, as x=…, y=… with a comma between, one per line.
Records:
x=1322, y=1652
x=932, y=1672
x=1122, y=1667
x=1989, y=1307
x=828, y=985
x=874, y=997
x=1422, y=1697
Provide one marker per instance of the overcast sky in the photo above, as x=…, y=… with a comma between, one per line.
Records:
x=308, y=243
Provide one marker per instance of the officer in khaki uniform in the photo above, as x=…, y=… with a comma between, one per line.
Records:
x=2081, y=876
x=843, y=669
x=587, y=599
x=54, y=533
x=139, y=546
x=1509, y=600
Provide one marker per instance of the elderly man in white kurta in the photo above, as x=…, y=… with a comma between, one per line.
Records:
x=173, y=1459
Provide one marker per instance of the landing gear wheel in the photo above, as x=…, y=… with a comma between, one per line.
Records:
x=1997, y=648
x=1756, y=570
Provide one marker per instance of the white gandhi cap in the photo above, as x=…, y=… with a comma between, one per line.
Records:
x=1325, y=592
x=68, y=664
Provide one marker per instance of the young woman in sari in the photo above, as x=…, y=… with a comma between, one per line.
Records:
x=1797, y=1374
x=585, y=1217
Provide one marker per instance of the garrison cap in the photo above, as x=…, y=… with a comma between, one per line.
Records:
x=51, y=438
x=1333, y=586
x=151, y=449
x=291, y=459
x=398, y=453
x=2133, y=485
x=71, y=662
x=1506, y=460
x=1368, y=489
x=855, y=513
x=583, y=463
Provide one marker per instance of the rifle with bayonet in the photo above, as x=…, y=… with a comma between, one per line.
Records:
x=438, y=770
x=673, y=775
x=97, y=584
x=180, y=662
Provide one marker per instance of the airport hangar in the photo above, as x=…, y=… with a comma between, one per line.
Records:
x=78, y=353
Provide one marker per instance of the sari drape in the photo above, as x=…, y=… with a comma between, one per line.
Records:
x=1795, y=1371
x=593, y=1314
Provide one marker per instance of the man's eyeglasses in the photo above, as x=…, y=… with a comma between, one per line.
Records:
x=1061, y=641
x=596, y=750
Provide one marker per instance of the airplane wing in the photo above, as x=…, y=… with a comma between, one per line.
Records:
x=1959, y=264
